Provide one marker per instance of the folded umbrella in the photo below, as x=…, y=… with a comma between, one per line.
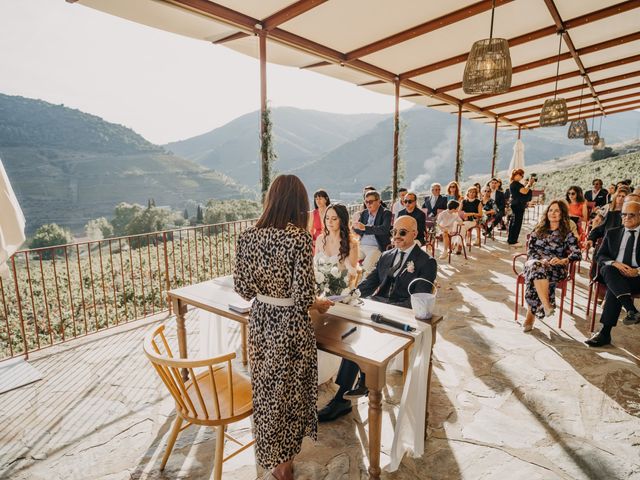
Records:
x=11, y=222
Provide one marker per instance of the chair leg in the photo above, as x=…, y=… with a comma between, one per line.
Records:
x=563, y=294
x=589, y=299
x=516, y=304
x=217, y=465
x=177, y=423
x=573, y=294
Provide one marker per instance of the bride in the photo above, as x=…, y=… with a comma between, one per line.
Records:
x=336, y=247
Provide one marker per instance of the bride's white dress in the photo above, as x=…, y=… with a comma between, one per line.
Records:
x=328, y=364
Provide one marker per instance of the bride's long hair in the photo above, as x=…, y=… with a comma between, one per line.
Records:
x=345, y=233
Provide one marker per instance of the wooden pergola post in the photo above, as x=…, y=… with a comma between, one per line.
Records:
x=456, y=176
x=519, y=132
x=263, y=109
x=396, y=139
x=495, y=149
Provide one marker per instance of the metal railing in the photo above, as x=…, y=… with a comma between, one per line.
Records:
x=55, y=294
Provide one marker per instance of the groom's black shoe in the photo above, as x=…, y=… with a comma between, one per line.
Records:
x=599, y=339
x=632, y=318
x=334, y=409
x=359, y=391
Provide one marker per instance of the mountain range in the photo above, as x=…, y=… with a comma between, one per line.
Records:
x=68, y=166
x=344, y=152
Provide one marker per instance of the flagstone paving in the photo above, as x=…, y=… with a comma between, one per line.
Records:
x=504, y=404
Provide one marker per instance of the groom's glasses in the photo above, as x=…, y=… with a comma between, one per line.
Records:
x=401, y=231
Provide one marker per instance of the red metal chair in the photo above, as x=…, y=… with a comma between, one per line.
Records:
x=562, y=285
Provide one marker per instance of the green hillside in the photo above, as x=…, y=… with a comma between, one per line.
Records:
x=68, y=167
x=610, y=170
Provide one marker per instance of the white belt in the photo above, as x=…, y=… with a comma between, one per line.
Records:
x=280, y=302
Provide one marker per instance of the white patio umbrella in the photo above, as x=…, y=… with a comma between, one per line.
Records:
x=11, y=222
x=517, y=161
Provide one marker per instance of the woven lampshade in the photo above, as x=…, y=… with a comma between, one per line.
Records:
x=600, y=145
x=591, y=138
x=488, y=68
x=578, y=129
x=554, y=112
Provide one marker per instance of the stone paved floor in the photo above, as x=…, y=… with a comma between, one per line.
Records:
x=504, y=405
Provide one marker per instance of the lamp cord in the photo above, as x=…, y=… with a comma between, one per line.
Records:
x=580, y=106
x=493, y=12
x=555, y=92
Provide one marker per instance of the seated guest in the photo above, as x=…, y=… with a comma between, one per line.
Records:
x=316, y=220
x=388, y=283
x=577, y=207
x=597, y=195
x=435, y=202
x=367, y=189
x=610, y=191
x=618, y=260
x=497, y=195
x=490, y=211
x=453, y=192
x=399, y=205
x=448, y=222
x=411, y=209
x=608, y=217
x=373, y=227
x=551, y=246
x=472, y=211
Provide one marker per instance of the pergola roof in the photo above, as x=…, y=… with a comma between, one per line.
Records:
x=424, y=46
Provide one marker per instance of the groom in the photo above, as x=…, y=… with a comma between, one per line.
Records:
x=388, y=283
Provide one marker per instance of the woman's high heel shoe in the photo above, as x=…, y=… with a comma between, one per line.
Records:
x=527, y=326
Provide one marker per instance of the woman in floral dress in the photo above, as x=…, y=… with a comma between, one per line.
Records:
x=552, y=246
x=274, y=266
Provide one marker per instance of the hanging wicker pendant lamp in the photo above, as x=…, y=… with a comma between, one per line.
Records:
x=592, y=137
x=554, y=111
x=601, y=143
x=578, y=128
x=488, y=67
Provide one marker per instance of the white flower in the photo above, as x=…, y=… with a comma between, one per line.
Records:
x=335, y=271
x=319, y=277
x=345, y=291
x=411, y=266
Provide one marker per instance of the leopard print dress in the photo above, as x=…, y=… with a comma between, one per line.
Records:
x=281, y=340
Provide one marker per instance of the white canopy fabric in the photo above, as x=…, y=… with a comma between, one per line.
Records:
x=517, y=160
x=12, y=222
x=424, y=46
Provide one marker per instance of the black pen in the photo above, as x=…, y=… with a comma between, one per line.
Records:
x=352, y=330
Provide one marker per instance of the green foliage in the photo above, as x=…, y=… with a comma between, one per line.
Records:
x=610, y=170
x=217, y=211
x=267, y=151
x=149, y=220
x=99, y=229
x=606, y=152
x=50, y=235
x=123, y=214
x=199, y=215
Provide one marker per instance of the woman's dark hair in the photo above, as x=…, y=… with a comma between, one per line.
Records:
x=453, y=204
x=579, y=194
x=543, y=228
x=455, y=185
x=514, y=172
x=286, y=202
x=320, y=193
x=345, y=233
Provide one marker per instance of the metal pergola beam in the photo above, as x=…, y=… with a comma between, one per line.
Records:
x=288, y=13
x=611, y=111
x=590, y=104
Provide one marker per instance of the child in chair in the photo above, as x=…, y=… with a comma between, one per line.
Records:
x=448, y=222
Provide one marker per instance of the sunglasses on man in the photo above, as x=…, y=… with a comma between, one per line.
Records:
x=408, y=201
x=399, y=231
x=369, y=202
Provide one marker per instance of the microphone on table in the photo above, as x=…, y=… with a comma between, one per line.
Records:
x=378, y=318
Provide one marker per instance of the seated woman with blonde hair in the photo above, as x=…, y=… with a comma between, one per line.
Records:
x=552, y=246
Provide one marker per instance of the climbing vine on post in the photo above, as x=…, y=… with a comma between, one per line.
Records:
x=267, y=151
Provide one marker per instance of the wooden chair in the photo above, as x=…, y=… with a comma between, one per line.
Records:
x=215, y=398
x=562, y=285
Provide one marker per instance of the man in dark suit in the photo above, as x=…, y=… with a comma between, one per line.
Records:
x=598, y=195
x=618, y=260
x=411, y=208
x=434, y=203
x=374, y=229
x=388, y=283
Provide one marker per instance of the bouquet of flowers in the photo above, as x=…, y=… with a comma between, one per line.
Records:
x=332, y=281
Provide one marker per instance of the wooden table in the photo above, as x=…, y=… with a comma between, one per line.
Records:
x=370, y=347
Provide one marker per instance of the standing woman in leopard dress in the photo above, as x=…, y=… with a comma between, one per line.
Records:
x=274, y=265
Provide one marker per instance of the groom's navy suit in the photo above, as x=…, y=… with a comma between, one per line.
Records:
x=381, y=286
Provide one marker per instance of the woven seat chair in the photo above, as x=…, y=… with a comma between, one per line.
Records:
x=214, y=398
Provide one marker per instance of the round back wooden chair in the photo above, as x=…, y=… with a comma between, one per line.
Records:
x=215, y=397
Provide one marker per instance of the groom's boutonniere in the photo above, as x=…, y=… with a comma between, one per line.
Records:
x=410, y=266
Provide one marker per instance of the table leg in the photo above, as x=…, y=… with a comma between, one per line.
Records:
x=243, y=335
x=180, y=310
x=375, y=432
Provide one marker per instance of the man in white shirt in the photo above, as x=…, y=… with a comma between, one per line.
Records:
x=399, y=205
x=619, y=269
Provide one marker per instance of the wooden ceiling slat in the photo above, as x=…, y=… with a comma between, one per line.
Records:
x=588, y=104
x=564, y=56
x=597, y=112
x=424, y=28
x=231, y=38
